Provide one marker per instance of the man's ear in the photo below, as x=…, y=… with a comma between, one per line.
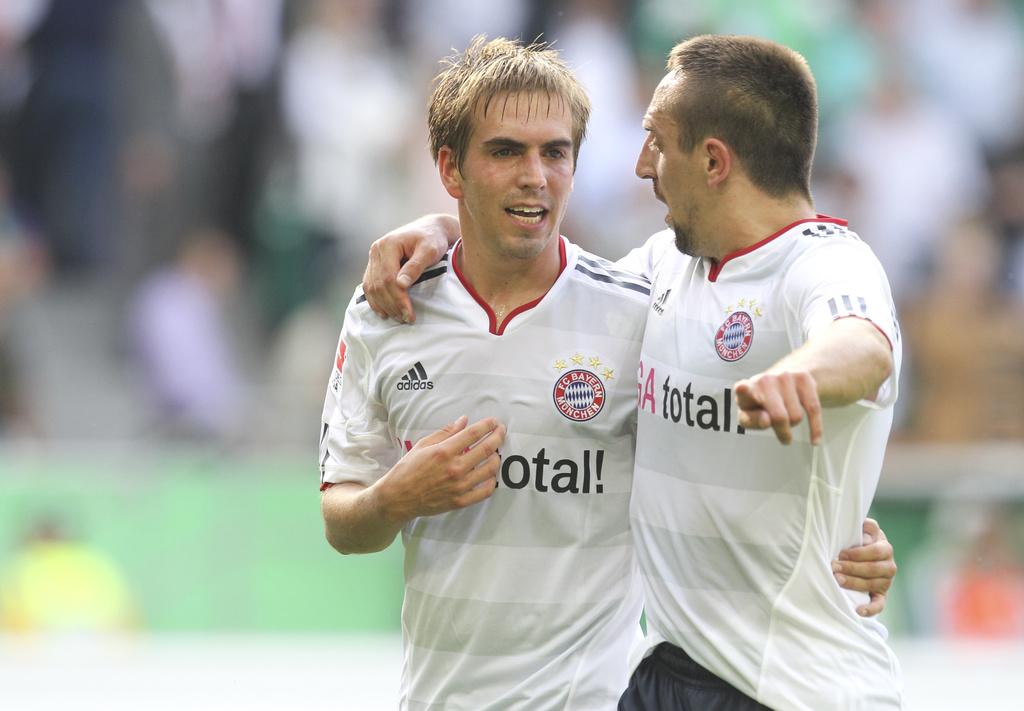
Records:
x=718, y=160
x=451, y=176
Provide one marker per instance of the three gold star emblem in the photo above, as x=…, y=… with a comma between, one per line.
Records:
x=594, y=362
x=745, y=303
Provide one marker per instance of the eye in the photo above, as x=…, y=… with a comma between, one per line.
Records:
x=556, y=153
x=502, y=153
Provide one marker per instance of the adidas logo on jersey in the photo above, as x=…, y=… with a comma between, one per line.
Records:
x=659, y=303
x=416, y=379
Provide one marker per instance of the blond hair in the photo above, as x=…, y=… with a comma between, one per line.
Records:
x=471, y=81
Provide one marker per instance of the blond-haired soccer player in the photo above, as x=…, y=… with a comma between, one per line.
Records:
x=521, y=588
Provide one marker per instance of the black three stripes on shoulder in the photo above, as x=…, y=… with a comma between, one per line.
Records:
x=425, y=276
x=826, y=229
x=603, y=272
x=847, y=305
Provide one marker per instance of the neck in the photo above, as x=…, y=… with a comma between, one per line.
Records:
x=507, y=282
x=754, y=216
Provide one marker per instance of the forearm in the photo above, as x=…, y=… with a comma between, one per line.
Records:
x=442, y=224
x=849, y=361
x=452, y=468
x=355, y=521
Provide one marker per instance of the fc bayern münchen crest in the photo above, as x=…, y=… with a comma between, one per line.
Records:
x=579, y=395
x=734, y=336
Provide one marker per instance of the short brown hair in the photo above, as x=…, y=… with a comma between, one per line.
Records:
x=756, y=95
x=485, y=70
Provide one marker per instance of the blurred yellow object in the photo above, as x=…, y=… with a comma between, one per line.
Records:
x=64, y=586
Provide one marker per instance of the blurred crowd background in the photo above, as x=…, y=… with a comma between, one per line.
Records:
x=188, y=189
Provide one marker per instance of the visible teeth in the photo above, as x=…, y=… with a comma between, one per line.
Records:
x=530, y=215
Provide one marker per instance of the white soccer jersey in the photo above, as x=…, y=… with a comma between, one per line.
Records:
x=734, y=531
x=531, y=599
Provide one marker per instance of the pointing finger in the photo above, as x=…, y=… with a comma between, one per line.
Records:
x=807, y=391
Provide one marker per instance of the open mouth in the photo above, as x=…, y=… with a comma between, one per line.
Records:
x=528, y=215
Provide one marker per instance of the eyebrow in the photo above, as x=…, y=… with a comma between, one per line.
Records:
x=502, y=142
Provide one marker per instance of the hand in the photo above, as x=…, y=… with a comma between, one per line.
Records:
x=779, y=400
x=418, y=244
x=868, y=568
x=449, y=469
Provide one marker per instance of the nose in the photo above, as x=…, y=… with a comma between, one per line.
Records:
x=645, y=161
x=531, y=172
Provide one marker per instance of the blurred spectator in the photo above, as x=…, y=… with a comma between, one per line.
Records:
x=293, y=262
x=224, y=55
x=215, y=46
x=22, y=270
x=56, y=583
x=433, y=29
x=659, y=24
x=179, y=101
x=1008, y=214
x=347, y=109
x=606, y=197
x=17, y=20
x=964, y=335
x=910, y=172
x=65, y=139
x=970, y=56
x=183, y=341
x=984, y=595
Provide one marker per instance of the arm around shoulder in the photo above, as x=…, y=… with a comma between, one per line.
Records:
x=398, y=259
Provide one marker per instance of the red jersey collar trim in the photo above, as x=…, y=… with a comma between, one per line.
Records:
x=493, y=325
x=716, y=267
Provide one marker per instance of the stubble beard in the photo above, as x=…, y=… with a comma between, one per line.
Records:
x=687, y=240
x=520, y=248
x=684, y=240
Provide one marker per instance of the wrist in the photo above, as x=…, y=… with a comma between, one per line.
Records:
x=381, y=504
x=451, y=228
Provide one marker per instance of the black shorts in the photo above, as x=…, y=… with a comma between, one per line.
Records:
x=668, y=680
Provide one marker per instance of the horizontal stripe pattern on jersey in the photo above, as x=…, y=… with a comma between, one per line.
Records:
x=530, y=599
x=735, y=532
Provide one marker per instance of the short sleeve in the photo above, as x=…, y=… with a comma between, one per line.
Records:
x=839, y=279
x=643, y=260
x=355, y=440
